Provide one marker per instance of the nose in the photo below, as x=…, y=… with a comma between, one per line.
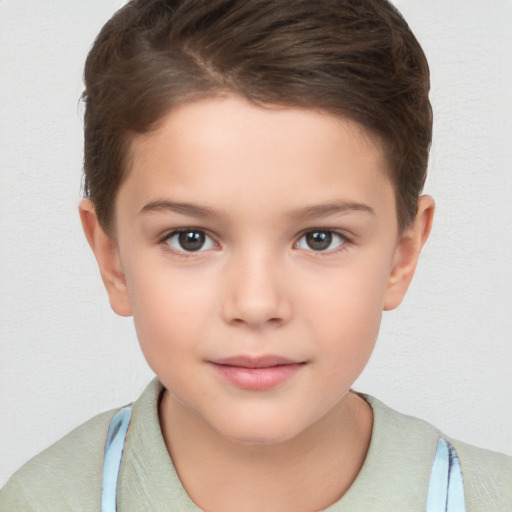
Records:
x=256, y=294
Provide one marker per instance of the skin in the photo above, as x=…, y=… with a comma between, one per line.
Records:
x=258, y=287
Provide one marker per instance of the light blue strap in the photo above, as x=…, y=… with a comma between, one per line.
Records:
x=446, y=489
x=445, y=493
x=113, y=454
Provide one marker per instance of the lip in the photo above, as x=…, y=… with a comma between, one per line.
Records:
x=256, y=373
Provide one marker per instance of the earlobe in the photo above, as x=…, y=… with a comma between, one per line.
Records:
x=106, y=252
x=407, y=253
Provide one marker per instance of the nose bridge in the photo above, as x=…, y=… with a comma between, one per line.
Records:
x=256, y=295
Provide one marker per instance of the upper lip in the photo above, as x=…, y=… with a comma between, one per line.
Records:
x=255, y=362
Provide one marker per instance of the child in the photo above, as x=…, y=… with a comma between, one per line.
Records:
x=253, y=172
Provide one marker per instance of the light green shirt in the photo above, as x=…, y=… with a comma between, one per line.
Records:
x=394, y=477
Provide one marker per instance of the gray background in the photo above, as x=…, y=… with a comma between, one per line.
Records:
x=445, y=355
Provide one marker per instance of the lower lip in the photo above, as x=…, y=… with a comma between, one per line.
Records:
x=257, y=379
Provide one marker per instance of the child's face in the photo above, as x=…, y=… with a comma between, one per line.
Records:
x=287, y=252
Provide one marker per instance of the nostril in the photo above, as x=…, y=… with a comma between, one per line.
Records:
x=255, y=299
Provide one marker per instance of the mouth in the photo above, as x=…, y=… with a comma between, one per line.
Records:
x=256, y=373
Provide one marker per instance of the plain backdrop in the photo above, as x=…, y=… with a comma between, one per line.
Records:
x=445, y=355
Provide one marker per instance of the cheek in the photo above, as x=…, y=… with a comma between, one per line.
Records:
x=345, y=311
x=164, y=322
x=349, y=296
x=167, y=305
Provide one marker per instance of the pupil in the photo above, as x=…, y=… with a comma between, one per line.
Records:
x=319, y=240
x=191, y=240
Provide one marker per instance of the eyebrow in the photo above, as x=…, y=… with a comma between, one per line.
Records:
x=306, y=213
x=189, y=209
x=324, y=210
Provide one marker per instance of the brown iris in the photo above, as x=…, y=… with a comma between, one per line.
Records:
x=319, y=240
x=191, y=240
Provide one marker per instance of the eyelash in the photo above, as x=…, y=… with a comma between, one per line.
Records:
x=164, y=241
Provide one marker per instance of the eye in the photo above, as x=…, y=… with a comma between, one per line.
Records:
x=189, y=240
x=321, y=240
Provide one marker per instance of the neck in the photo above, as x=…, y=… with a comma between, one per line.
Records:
x=308, y=472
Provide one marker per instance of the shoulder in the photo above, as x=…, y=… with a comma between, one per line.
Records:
x=487, y=478
x=68, y=474
x=65, y=476
x=487, y=475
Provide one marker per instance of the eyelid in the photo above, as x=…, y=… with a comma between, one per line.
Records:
x=341, y=246
x=164, y=239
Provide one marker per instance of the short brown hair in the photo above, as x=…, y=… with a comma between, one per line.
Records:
x=353, y=58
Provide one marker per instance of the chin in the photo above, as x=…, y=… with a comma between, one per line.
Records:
x=257, y=434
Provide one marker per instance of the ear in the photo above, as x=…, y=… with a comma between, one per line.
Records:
x=407, y=253
x=107, y=255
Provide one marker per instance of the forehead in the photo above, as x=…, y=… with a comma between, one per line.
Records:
x=215, y=119
x=234, y=153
